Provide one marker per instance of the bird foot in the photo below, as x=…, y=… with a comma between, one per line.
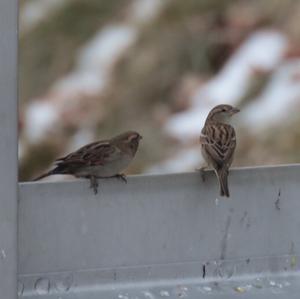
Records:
x=122, y=177
x=94, y=184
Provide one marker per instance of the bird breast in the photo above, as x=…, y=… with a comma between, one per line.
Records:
x=108, y=169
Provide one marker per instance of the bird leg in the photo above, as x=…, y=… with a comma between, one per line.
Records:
x=93, y=183
x=122, y=177
x=202, y=172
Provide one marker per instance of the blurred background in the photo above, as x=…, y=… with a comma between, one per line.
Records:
x=92, y=69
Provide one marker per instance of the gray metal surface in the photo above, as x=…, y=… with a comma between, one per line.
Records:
x=162, y=236
x=8, y=148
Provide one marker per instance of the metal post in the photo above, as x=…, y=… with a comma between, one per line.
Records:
x=8, y=148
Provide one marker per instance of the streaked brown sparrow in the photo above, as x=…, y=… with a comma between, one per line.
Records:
x=100, y=159
x=218, y=142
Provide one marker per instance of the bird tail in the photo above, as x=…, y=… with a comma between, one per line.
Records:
x=57, y=170
x=223, y=181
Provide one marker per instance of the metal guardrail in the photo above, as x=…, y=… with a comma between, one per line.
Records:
x=162, y=236
x=158, y=236
x=8, y=149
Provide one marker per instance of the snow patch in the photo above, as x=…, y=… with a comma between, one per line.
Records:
x=96, y=60
x=277, y=100
x=34, y=12
x=263, y=50
x=40, y=116
x=231, y=83
x=143, y=11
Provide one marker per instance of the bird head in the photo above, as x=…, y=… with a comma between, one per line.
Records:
x=130, y=140
x=222, y=113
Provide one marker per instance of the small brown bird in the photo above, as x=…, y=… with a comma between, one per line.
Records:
x=100, y=159
x=218, y=143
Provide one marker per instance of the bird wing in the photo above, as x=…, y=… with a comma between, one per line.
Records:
x=93, y=154
x=219, y=142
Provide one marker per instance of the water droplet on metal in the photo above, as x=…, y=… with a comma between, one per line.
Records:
x=42, y=286
x=280, y=285
x=148, y=295
x=3, y=254
x=20, y=288
x=181, y=291
x=65, y=283
x=164, y=293
x=272, y=283
x=217, y=201
x=240, y=289
x=204, y=289
x=120, y=296
x=258, y=284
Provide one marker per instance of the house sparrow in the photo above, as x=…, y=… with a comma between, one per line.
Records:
x=218, y=143
x=100, y=159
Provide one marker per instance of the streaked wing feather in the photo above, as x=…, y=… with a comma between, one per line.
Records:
x=103, y=154
x=219, y=142
x=93, y=154
x=77, y=154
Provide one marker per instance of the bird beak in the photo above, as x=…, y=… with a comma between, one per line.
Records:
x=234, y=111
